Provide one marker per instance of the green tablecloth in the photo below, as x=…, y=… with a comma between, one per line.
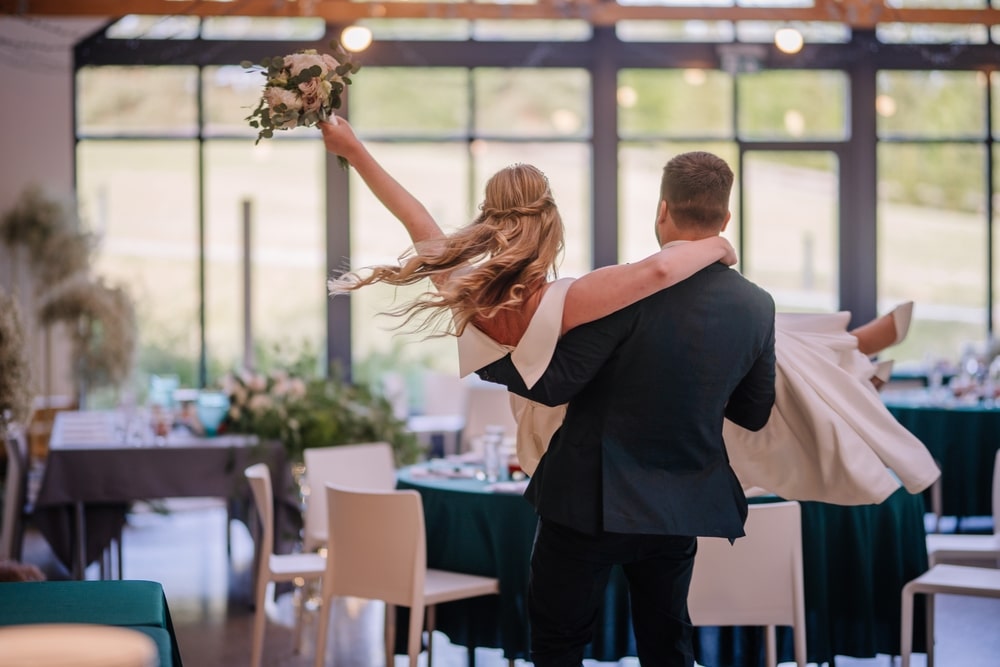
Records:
x=856, y=560
x=964, y=440
x=139, y=605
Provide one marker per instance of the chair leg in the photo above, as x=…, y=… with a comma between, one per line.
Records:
x=429, y=624
x=770, y=646
x=390, y=634
x=416, y=630
x=121, y=561
x=930, y=628
x=259, y=623
x=323, y=627
x=906, y=627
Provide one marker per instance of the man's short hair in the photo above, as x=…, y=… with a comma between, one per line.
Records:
x=696, y=187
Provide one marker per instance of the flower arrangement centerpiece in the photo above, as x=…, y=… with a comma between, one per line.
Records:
x=301, y=89
x=312, y=412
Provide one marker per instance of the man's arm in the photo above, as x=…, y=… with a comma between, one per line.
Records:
x=750, y=404
x=578, y=357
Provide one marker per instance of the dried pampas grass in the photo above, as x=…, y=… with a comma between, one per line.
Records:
x=15, y=377
x=102, y=324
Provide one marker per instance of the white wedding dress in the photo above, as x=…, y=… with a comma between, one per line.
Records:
x=829, y=437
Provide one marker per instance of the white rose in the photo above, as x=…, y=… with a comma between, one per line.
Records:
x=275, y=96
x=297, y=62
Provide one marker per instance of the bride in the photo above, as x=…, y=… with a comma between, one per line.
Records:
x=829, y=436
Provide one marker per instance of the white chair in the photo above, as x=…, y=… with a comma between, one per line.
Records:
x=755, y=581
x=76, y=645
x=273, y=567
x=378, y=551
x=368, y=465
x=15, y=489
x=959, y=549
x=949, y=580
x=488, y=405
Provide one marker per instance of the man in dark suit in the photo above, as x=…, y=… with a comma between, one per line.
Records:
x=639, y=468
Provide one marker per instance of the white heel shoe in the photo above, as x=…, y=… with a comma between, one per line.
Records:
x=901, y=316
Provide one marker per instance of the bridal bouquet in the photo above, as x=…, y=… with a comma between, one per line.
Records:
x=302, y=89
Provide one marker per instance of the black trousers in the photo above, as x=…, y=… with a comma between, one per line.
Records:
x=569, y=573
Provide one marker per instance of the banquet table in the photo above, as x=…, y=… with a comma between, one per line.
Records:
x=138, y=605
x=91, y=476
x=963, y=437
x=856, y=561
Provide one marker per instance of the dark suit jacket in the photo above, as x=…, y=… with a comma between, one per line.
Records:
x=641, y=449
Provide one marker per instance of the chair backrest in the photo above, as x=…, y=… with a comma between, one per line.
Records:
x=488, y=404
x=758, y=579
x=259, y=477
x=15, y=488
x=377, y=545
x=366, y=466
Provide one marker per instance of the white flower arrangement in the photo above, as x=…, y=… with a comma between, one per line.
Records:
x=301, y=90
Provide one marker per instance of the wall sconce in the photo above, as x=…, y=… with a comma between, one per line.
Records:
x=356, y=38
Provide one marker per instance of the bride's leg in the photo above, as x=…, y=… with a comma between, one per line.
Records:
x=885, y=331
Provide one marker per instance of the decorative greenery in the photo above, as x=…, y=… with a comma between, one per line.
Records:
x=302, y=89
x=102, y=326
x=313, y=412
x=15, y=394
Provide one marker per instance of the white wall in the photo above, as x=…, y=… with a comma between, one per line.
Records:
x=36, y=148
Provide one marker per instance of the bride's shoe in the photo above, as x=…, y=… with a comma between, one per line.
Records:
x=885, y=331
x=881, y=374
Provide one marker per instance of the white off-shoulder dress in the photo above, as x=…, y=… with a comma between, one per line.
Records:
x=829, y=437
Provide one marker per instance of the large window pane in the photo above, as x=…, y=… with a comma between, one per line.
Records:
x=284, y=183
x=640, y=168
x=932, y=244
x=793, y=105
x=532, y=102
x=790, y=225
x=137, y=100
x=424, y=102
x=675, y=103
x=141, y=199
x=931, y=104
x=674, y=31
x=229, y=95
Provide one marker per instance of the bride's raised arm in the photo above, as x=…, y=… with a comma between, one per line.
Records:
x=339, y=138
x=611, y=288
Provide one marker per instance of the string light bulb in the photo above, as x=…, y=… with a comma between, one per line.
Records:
x=356, y=38
x=788, y=40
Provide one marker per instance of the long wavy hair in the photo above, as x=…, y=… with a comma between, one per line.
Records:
x=497, y=261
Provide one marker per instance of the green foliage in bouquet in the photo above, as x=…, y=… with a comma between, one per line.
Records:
x=317, y=412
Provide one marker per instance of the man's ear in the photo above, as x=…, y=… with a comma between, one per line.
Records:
x=729, y=215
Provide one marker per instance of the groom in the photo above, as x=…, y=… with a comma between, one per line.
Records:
x=639, y=468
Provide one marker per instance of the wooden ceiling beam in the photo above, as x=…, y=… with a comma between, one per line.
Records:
x=855, y=13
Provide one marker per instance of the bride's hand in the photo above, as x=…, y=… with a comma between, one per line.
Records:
x=729, y=257
x=339, y=137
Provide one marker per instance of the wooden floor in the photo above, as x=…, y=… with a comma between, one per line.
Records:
x=208, y=594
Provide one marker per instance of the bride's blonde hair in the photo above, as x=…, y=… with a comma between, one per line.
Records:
x=499, y=260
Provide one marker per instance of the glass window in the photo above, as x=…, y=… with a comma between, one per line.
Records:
x=675, y=103
x=931, y=33
x=426, y=102
x=640, y=168
x=418, y=29
x=287, y=248
x=995, y=103
x=229, y=94
x=117, y=101
x=263, y=27
x=793, y=105
x=932, y=244
x=521, y=102
x=135, y=26
x=674, y=31
x=815, y=32
x=931, y=104
x=148, y=242
x=790, y=224
x=538, y=30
